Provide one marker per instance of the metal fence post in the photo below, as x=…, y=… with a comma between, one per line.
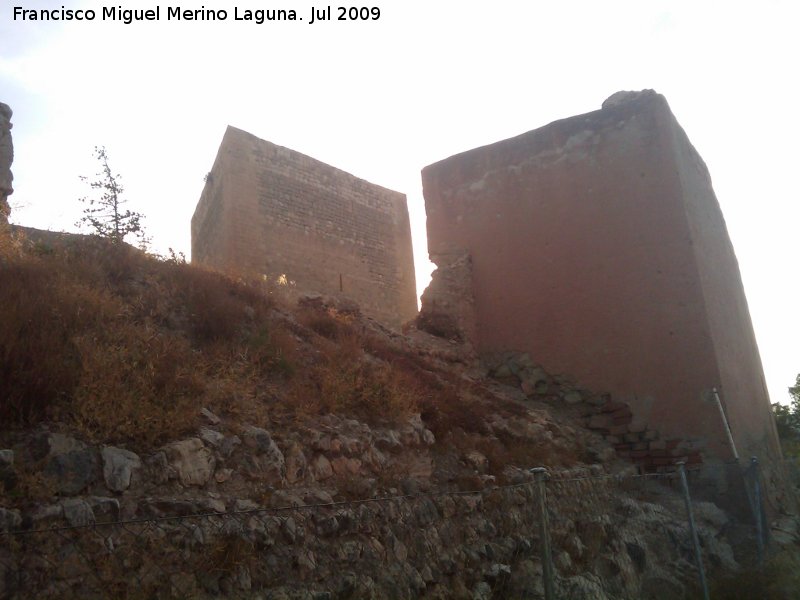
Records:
x=540, y=475
x=695, y=541
x=724, y=418
x=757, y=511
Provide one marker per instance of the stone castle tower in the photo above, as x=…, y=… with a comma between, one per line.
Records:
x=270, y=210
x=596, y=244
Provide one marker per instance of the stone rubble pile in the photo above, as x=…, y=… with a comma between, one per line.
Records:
x=632, y=438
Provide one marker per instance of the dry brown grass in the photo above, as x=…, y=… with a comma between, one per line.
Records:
x=31, y=485
x=328, y=322
x=42, y=308
x=127, y=347
x=458, y=412
x=446, y=402
x=344, y=380
x=135, y=384
x=9, y=245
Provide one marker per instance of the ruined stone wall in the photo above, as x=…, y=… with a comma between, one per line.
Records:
x=195, y=517
x=448, y=304
x=273, y=211
x=598, y=246
x=6, y=158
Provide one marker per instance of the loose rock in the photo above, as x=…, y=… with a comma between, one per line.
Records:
x=73, y=471
x=118, y=467
x=192, y=461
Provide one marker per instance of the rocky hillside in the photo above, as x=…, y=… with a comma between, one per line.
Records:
x=225, y=442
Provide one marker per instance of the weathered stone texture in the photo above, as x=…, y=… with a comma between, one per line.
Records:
x=6, y=158
x=351, y=526
x=272, y=211
x=448, y=304
x=598, y=247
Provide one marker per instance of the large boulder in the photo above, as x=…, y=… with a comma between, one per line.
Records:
x=264, y=461
x=71, y=465
x=191, y=460
x=118, y=466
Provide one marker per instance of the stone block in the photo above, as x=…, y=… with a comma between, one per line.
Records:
x=192, y=461
x=72, y=471
x=118, y=467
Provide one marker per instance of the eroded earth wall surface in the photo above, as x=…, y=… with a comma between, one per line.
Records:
x=598, y=247
x=269, y=210
x=6, y=158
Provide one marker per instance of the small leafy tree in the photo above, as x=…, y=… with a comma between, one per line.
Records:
x=787, y=420
x=105, y=214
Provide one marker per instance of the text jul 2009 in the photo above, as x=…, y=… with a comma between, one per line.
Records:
x=176, y=13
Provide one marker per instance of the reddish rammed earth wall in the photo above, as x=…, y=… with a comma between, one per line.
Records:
x=268, y=210
x=598, y=247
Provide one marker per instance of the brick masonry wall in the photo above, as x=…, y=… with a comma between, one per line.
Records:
x=273, y=211
x=599, y=248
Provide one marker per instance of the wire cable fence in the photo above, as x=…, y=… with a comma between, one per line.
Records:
x=553, y=535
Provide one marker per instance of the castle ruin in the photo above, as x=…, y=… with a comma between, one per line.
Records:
x=596, y=244
x=272, y=211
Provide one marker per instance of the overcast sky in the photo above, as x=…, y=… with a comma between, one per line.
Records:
x=382, y=99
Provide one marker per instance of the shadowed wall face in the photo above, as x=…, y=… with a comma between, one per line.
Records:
x=598, y=246
x=272, y=211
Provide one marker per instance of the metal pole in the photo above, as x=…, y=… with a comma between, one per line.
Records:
x=540, y=474
x=725, y=423
x=757, y=509
x=695, y=541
